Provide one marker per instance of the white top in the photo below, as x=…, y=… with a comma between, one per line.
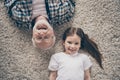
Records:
x=69, y=67
x=39, y=8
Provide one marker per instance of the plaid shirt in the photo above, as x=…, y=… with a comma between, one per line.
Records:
x=58, y=11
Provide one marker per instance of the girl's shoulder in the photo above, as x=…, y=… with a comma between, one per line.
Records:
x=84, y=57
x=83, y=53
x=58, y=54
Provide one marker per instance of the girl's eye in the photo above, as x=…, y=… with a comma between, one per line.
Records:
x=69, y=42
x=76, y=43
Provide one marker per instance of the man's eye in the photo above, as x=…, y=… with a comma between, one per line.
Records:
x=39, y=38
x=46, y=37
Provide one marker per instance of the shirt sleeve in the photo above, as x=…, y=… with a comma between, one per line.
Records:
x=8, y=3
x=87, y=62
x=53, y=64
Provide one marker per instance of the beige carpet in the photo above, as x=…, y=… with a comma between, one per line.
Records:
x=100, y=19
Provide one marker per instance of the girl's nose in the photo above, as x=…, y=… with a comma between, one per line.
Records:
x=72, y=46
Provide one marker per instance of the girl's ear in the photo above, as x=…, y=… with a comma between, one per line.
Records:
x=63, y=43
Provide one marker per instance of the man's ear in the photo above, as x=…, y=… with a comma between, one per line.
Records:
x=33, y=41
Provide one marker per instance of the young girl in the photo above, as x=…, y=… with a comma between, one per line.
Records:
x=70, y=64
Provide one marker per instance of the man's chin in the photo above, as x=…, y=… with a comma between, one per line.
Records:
x=43, y=23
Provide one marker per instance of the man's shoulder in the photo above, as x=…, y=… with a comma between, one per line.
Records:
x=60, y=12
x=8, y=3
x=20, y=12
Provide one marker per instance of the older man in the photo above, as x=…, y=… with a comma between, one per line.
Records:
x=43, y=34
x=40, y=14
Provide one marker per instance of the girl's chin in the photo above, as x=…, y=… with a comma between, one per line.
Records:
x=72, y=52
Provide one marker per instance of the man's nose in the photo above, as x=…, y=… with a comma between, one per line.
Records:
x=42, y=32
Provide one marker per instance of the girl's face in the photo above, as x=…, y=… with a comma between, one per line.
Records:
x=72, y=44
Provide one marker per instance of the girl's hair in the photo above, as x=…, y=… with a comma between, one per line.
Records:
x=86, y=43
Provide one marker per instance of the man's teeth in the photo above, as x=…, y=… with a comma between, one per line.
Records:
x=42, y=28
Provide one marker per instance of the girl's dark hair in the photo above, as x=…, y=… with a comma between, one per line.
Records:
x=86, y=43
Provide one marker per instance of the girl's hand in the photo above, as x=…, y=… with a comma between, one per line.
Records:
x=53, y=75
x=87, y=74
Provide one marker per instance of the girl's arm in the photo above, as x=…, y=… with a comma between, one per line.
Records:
x=87, y=74
x=53, y=75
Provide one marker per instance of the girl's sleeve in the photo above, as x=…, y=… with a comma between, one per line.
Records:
x=87, y=62
x=53, y=64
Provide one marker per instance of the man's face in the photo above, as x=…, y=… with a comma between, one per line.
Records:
x=43, y=34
